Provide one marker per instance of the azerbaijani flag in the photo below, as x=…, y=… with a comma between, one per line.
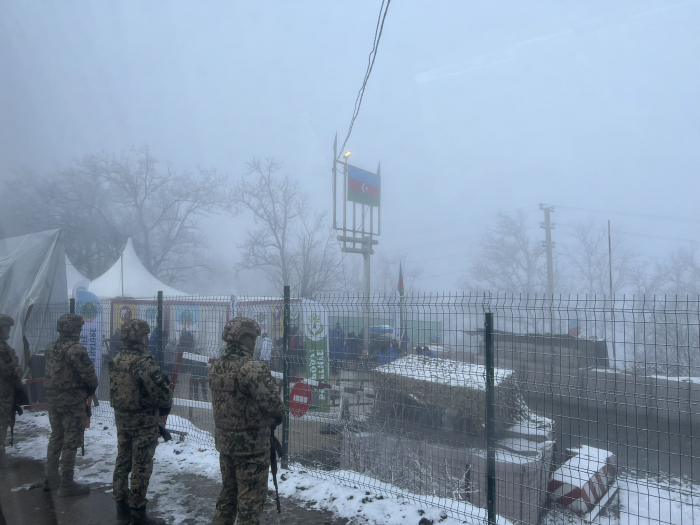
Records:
x=363, y=187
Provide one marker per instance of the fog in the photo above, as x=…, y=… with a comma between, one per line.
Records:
x=472, y=108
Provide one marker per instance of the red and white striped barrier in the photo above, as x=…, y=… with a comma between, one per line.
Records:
x=583, y=481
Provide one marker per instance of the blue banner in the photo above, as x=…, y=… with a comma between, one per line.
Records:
x=186, y=316
x=88, y=305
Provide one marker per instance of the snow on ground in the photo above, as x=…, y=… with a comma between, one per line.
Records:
x=641, y=501
x=380, y=504
x=372, y=501
x=443, y=371
x=682, y=379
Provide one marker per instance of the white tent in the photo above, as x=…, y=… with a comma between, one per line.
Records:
x=33, y=288
x=73, y=276
x=129, y=278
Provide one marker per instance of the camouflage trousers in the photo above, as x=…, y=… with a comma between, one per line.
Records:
x=3, y=438
x=136, y=448
x=6, y=412
x=67, y=429
x=244, y=489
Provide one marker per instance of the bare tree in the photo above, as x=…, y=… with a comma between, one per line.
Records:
x=680, y=273
x=588, y=258
x=162, y=208
x=508, y=259
x=670, y=331
x=384, y=277
x=75, y=201
x=287, y=245
x=315, y=261
x=101, y=200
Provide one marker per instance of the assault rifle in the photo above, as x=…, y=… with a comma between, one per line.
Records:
x=17, y=410
x=164, y=433
x=88, y=413
x=275, y=450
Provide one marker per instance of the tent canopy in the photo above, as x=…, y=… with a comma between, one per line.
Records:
x=129, y=278
x=32, y=288
x=73, y=276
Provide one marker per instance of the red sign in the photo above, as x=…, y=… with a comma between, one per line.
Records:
x=300, y=399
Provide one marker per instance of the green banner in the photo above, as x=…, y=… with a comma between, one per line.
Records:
x=316, y=342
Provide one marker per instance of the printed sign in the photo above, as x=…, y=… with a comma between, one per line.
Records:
x=88, y=306
x=186, y=316
x=316, y=343
x=300, y=399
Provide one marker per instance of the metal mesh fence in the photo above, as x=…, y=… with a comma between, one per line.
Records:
x=595, y=400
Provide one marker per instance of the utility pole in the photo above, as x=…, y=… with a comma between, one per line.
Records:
x=548, y=226
x=612, y=297
x=610, y=258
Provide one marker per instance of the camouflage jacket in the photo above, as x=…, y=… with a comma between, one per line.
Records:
x=9, y=377
x=70, y=375
x=246, y=403
x=138, y=390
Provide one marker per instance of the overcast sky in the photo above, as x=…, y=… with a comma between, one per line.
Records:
x=472, y=107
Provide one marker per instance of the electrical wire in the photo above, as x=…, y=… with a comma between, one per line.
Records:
x=627, y=214
x=372, y=57
x=662, y=237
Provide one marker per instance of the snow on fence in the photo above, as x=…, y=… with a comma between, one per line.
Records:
x=406, y=416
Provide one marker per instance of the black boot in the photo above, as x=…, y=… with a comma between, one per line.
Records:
x=140, y=517
x=123, y=512
x=69, y=487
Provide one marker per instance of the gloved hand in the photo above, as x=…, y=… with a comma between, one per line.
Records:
x=91, y=391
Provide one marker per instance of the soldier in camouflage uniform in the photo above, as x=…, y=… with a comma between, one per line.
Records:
x=10, y=385
x=69, y=379
x=247, y=407
x=140, y=394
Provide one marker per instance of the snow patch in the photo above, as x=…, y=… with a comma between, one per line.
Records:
x=443, y=371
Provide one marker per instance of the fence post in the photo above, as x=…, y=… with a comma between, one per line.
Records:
x=72, y=305
x=490, y=421
x=159, y=328
x=285, y=379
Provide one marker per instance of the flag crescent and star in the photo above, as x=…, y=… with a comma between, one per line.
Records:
x=363, y=187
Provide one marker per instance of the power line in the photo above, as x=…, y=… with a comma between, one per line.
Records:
x=653, y=276
x=640, y=215
x=662, y=237
x=474, y=219
x=659, y=237
x=372, y=57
